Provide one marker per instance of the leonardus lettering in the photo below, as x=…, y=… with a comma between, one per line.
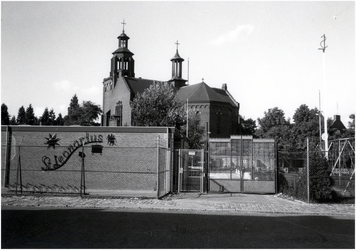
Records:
x=59, y=161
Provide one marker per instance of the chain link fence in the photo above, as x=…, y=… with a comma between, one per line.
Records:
x=293, y=170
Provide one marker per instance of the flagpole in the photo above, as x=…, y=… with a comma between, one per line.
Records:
x=323, y=47
x=187, y=121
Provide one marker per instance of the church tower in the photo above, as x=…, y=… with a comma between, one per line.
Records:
x=177, y=79
x=122, y=62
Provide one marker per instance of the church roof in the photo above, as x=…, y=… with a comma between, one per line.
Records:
x=201, y=93
x=226, y=96
x=337, y=123
x=123, y=36
x=123, y=50
x=138, y=85
x=197, y=93
x=177, y=57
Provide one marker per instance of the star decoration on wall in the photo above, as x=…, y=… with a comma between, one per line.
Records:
x=52, y=141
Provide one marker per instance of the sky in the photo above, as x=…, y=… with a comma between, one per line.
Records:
x=266, y=52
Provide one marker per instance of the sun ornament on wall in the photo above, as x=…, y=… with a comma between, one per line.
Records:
x=52, y=141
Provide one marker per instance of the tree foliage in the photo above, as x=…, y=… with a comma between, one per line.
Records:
x=89, y=113
x=21, y=116
x=83, y=115
x=195, y=130
x=292, y=136
x=44, y=119
x=350, y=132
x=157, y=106
x=48, y=118
x=13, y=120
x=320, y=184
x=30, y=116
x=59, y=120
x=273, y=118
x=5, y=116
x=274, y=125
x=306, y=124
x=248, y=126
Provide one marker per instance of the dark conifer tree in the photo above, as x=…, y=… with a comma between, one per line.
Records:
x=21, y=116
x=5, y=117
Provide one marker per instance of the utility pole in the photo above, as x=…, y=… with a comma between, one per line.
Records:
x=325, y=135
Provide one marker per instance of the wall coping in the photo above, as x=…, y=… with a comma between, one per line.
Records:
x=129, y=129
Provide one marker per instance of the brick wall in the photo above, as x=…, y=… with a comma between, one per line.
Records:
x=128, y=160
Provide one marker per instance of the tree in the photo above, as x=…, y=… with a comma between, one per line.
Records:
x=248, y=126
x=59, y=120
x=274, y=117
x=320, y=184
x=44, y=119
x=89, y=113
x=21, y=116
x=157, y=106
x=274, y=125
x=52, y=117
x=5, y=117
x=350, y=132
x=306, y=124
x=13, y=120
x=74, y=112
x=195, y=130
x=30, y=116
x=84, y=115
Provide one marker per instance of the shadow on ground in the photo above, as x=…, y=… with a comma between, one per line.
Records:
x=95, y=228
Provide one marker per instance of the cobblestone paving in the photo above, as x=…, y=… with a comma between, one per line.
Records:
x=236, y=203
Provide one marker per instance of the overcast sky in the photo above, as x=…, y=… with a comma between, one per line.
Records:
x=266, y=52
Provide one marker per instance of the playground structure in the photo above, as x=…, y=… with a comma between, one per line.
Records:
x=341, y=157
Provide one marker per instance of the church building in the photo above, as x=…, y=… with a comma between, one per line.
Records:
x=218, y=110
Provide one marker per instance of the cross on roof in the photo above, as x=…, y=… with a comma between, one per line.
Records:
x=177, y=44
x=123, y=25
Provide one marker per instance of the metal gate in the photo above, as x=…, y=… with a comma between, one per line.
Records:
x=191, y=170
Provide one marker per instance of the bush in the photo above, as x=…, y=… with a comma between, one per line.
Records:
x=320, y=182
x=282, y=184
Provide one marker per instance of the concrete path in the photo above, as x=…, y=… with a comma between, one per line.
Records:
x=187, y=203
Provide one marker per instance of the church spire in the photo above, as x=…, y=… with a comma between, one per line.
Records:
x=123, y=26
x=177, y=64
x=122, y=61
x=177, y=61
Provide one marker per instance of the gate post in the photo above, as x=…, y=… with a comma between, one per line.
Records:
x=202, y=171
x=82, y=173
x=179, y=170
x=7, y=156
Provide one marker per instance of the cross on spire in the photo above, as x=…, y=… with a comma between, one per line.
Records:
x=177, y=44
x=123, y=25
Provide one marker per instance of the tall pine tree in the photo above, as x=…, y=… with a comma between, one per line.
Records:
x=30, y=116
x=44, y=119
x=5, y=117
x=21, y=116
x=74, y=112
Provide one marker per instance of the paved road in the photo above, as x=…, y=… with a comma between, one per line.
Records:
x=30, y=227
